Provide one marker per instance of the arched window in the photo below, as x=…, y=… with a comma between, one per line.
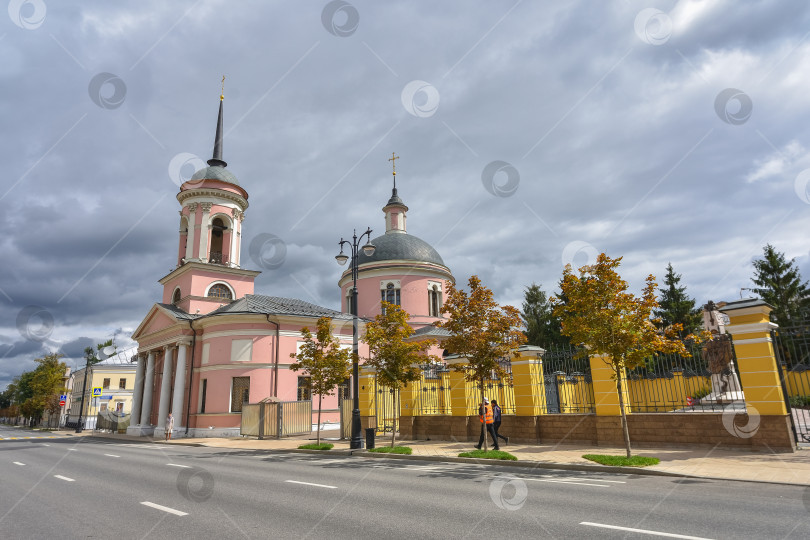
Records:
x=217, y=230
x=434, y=301
x=390, y=294
x=220, y=291
x=349, y=300
x=176, y=296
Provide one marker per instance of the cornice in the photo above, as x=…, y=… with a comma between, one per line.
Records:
x=212, y=192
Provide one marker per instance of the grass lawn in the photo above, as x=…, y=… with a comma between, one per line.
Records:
x=315, y=446
x=489, y=454
x=395, y=450
x=621, y=461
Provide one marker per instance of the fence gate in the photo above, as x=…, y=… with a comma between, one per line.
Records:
x=385, y=409
x=552, y=394
x=346, y=406
x=791, y=345
x=276, y=419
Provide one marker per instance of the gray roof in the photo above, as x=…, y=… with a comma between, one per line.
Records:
x=215, y=173
x=178, y=313
x=276, y=305
x=401, y=246
x=432, y=331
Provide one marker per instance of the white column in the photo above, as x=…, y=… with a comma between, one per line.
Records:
x=239, y=238
x=148, y=384
x=206, y=209
x=234, y=258
x=192, y=222
x=179, y=383
x=165, y=388
x=137, y=393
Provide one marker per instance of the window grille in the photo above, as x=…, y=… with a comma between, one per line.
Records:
x=240, y=393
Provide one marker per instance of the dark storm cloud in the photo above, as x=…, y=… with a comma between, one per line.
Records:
x=617, y=142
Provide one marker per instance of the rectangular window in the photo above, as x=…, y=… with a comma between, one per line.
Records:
x=202, y=395
x=304, y=389
x=241, y=350
x=105, y=384
x=119, y=407
x=103, y=407
x=122, y=384
x=240, y=393
x=205, y=352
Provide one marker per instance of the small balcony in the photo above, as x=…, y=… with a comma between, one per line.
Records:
x=217, y=257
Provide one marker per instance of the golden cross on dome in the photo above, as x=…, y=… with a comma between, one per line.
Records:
x=222, y=95
x=393, y=159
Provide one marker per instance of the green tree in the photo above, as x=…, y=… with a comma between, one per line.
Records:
x=676, y=306
x=779, y=283
x=36, y=389
x=600, y=314
x=395, y=359
x=542, y=326
x=322, y=358
x=482, y=332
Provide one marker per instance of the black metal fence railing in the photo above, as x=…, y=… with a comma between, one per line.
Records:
x=566, y=383
x=705, y=381
x=791, y=346
x=434, y=391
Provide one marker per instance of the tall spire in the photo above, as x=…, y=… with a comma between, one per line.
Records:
x=216, y=160
x=394, y=197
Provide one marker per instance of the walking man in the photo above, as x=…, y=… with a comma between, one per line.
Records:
x=496, y=421
x=169, y=426
x=485, y=415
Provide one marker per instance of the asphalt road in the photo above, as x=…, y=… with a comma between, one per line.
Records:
x=69, y=487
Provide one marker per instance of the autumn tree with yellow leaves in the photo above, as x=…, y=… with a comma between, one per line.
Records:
x=394, y=357
x=322, y=358
x=482, y=331
x=612, y=323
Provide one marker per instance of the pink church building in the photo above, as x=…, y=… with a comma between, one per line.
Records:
x=211, y=344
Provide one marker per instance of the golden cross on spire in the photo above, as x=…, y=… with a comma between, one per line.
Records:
x=393, y=159
x=222, y=95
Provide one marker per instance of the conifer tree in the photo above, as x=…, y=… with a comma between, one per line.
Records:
x=542, y=326
x=780, y=284
x=676, y=306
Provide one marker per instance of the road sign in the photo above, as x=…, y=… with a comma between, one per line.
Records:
x=61, y=402
x=62, y=397
x=97, y=391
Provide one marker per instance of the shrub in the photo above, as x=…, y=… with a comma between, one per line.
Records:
x=800, y=401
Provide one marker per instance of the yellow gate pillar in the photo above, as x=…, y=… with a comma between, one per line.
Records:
x=606, y=398
x=462, y=401
x=527, y=376
x=750, y=328
x=409, y=398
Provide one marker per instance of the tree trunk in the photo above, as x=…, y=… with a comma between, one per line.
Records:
x=484, y=413
x=396, y=417
x=318, y=429
x=625, y=430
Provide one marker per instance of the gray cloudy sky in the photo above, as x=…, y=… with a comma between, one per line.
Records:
x=530, y=135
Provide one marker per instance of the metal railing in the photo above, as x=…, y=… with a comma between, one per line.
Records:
x=703, y=382
x=566, y=381
x=791, y=345
x=112, y=422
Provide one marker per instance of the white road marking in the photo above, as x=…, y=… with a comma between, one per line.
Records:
x=45, y=444
x=164, y=508
x=643, y=531
x=564, y=482
x=178, y=465
x=72, y=450
x=18, y=463
x=65, y=478
x=581, y=478
x=111, y=455
x=310, y=484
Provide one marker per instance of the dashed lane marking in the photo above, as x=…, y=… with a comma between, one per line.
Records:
x=111, y=455
x=643, y=531
x=18, y=463
x=65, y=478
x=164, y=508
x=178, y=465
x=310, y=484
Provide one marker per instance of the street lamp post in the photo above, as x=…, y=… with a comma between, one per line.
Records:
x=356, y=441
x=87, y=353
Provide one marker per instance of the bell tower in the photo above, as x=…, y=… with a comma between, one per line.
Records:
x=208, y=273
